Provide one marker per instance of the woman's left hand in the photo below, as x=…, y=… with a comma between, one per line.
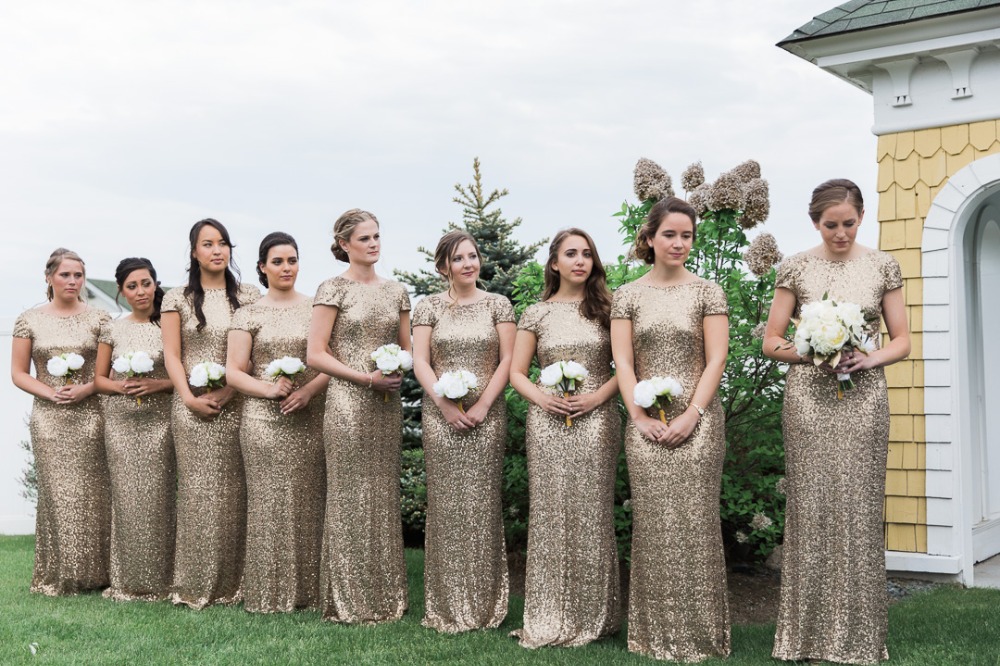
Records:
x=679, y=429
x=583, y=403
x=852, y=361
x=70, y=394
x=297, y=400
x=477, y=413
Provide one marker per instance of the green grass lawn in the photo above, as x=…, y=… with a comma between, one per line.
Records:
x=944, y=626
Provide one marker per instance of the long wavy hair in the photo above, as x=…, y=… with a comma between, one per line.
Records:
x=126, y=267
x=596, y=304
x=193, y=290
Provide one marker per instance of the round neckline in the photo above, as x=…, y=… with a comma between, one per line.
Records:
x=839, y=261
x=667, y=286
x=455, y=304
x=77, y=314
x=563, y=302
x=380, y=282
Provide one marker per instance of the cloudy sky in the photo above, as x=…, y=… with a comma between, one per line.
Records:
x=122, y=122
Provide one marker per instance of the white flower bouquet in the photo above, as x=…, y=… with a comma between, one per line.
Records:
x=286, y=366
x=392, y=359
x=208, y=374
x=658, y=391
x=132, y=364
x=64, y=365
x=564, y=375
x=455, y=385
x=826, y=329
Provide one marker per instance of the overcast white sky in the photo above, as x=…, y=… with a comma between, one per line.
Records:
x=122, y=122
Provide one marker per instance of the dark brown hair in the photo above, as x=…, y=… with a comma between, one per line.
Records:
x=662, y=208
x=832, y=193
x=193, y=289
x=596, y=304
x=52, y=265
x=446, y=247
x=344, y=227
x=126, y=267
x=272, y=240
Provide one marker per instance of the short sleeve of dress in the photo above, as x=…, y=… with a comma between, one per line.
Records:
x=173, y=300
x=242, y=320
x=622, y=306
x=103, y=318
x=788, y=274
x=104, y=337
x=503, y=311
x=331, y=293
x=530, y=319
x=714, y=300
x=424, y=313
x=891, y=274
x=248, y=294
x=22, y=329
x=404, y=299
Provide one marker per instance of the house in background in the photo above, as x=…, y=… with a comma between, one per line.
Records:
x=933, y=70
x=103, y=294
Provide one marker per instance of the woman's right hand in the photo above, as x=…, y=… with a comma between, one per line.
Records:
x=204, y=406
x=455, y=417
x=555, y=404
x=652, y=429
x=280, y=389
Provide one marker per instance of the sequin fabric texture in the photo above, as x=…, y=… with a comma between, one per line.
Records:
x=678, y=606
x=211, y=489
x=73, y=515
x=285, y=470
x=143, y=471
x=833, y=599
x=363, y=572
x=465, y=566
x=572, y=591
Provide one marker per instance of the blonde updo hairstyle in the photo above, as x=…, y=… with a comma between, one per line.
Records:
x=659, y=211
x=59, y=255
x=446, y=248
x=344, y=227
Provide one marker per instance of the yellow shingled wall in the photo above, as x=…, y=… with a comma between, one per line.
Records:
x=912, y=168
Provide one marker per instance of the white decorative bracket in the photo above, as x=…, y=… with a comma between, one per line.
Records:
x=899, y=72
x=960, y=64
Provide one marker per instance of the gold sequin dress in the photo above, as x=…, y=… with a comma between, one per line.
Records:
x=363, y=572
x=73, y=515
x=143, y=471
x=678, y=605
x=211, y=488
x=572, y=592
x=833, y=596
x=465, y=559
x=285, y=470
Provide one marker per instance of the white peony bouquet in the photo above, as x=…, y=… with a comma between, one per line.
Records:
x=455, y=385
x=564, y=375
x=132, y=364
x=64, y=365
x=826, y=329
x=659, y=391
x=392, y=359
x=286, y=366
x=208, y=374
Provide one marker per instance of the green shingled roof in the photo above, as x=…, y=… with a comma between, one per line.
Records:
x=110, y=288
x=867, y=14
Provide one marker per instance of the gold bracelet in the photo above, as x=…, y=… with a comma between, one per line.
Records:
x=701, y=411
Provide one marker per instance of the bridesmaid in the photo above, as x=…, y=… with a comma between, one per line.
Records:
x=464, y=328
x=362, y=570
x=671, y=323
x=833, y=599
x=572, y=593
x=211, y=490
x=139, y=444
x=281, y=433
x=73, y=516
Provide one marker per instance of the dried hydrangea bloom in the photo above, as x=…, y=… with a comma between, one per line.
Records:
x=757, y=331
x=762, y=255
x=726, y=193
x=693, y=177
x=698, y=198
x=779, y=486
x=757, y=203
x=741, y=537
x=749, y=170
x=760, y=521
x=651, y=181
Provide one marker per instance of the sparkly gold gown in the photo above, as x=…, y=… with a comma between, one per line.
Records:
x=211, y=488
x=465, y=560
x=73, y=515
x=143, y=471
x=833, y=597
x=678, y=608
x=285, y=470
x=363, y=572
x=572, y=592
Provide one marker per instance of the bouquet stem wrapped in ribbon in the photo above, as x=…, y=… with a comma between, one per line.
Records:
x=455, y=385
x=392, y=360
x=658, y=391
x=133, y=364
x=565, y=375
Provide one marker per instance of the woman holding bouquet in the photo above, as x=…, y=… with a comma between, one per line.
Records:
x=211, y=490
x=140, y=448
x=464, y=328
x=73, y=516
x=672, y=324
x=281, y=434
x=833, y=602
x=362, y=571
x=572, y=590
